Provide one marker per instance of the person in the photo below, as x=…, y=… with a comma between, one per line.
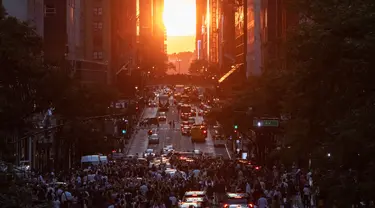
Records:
x=306, y=196
x=262, y=202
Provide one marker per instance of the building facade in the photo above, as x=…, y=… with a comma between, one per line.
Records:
x=200, y=31
x=151, y=35
x=260, y=28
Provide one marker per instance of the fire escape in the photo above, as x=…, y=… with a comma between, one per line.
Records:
x=214, y=32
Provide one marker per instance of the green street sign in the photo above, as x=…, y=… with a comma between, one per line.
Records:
x=266, y=123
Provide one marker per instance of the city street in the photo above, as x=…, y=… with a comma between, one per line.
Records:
x=171, y=136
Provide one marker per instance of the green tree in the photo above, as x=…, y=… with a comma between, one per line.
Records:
x=171, y=66
x=22, y=69
x=197, y=67
x=329, y=95
x=76, y=104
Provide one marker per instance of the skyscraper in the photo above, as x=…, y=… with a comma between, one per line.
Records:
x=201, y=11
x=151, y=44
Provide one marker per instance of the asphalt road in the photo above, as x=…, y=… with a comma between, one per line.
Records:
x=171, y=136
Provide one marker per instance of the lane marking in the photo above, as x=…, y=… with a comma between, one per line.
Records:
x=226, y=148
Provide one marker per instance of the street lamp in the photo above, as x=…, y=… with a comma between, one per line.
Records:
x=179, y=65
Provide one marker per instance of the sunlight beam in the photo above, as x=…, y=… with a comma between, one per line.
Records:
x=179, y=17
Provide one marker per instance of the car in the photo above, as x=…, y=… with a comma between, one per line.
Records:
x=153, y=139
x=167, y=149
x=236, y=200
x=162, y=118
x=197, y=201
x=191, y=120
x=189, y=204
x=184, y=123
x=152, y=104
x=199, y=197
x=149, y=152
x=185, y=116
x=185, y=130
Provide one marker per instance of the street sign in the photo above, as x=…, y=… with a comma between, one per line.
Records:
x=266, y=123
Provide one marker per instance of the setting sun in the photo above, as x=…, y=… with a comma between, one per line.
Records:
x=179, y=17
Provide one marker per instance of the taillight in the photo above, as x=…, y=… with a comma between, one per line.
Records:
x=251, y=205
x=226, y=206
x=204, y=131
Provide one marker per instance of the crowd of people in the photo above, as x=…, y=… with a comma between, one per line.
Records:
x=132, y=183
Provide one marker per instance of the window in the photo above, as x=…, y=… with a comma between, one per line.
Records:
x=72, y=3
x=98, y=55
x=98, y=11
x=98, y=26
x=49, y=10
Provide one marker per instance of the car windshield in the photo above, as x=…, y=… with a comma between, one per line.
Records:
x=154, y=136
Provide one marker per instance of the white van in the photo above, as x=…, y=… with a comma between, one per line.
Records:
x=89, y=160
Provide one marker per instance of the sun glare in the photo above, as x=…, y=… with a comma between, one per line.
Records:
x=179, y=17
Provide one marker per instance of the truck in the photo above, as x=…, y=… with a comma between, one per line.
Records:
x=163, y=102
x=198, y=134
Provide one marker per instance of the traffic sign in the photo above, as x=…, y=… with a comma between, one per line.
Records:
x=266, y=123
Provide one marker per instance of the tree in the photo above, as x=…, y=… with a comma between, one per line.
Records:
x=171, y=66
x=328, y=95
x=197, y=67
x=22, y=69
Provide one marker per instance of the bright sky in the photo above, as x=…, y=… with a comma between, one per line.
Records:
x=179, y=19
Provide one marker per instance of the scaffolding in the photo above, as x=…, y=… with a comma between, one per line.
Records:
x=214, y=32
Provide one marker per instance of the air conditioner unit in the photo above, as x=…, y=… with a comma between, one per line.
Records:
x=49, y=10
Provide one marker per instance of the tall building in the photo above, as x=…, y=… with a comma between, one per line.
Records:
x=124, y=36
x=145, y=32
x=213, y=32
x=260, y=31
x=95, y=65
x=152, y=34
x=276, y=20
x=200, y=31
x=226, y=35
x=159, y=30
x=55, y=32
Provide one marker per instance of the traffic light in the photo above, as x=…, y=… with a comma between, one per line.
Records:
x=122, y=127
x=236, y=126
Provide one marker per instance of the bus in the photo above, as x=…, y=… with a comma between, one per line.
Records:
x=163, y=102
x=185, y=111
x=198, y=134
